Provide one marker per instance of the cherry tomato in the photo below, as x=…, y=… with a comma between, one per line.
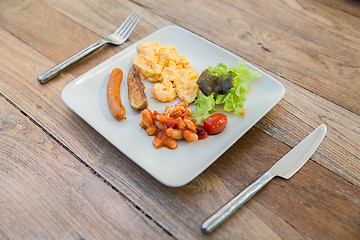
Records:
x=215, y=123
x=201, y=132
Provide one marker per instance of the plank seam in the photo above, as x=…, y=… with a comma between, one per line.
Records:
x=334, y=7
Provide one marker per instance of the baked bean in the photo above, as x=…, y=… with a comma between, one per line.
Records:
x=174, y=133
x=162, y=118
x=177, y=112
x=146, y=117
x=159, y=125
x=174, y=112
x=190, y=136
x=166, y=121
x=142, y=124
x=157, y=142
x=188, y=111
x=190, y=124
x=169, y=142
x=180, y=124
x=151, y=130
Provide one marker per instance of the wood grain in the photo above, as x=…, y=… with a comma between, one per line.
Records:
x=281, y=44
x=46, y=193
x=33, y=22
x=126, y=176
x=308, y=194
x=346, y=163
x=348, y=166
x=309, y=46
x=349, y=6
x=340, y=150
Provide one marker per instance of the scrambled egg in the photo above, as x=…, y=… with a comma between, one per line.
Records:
x=172, y=73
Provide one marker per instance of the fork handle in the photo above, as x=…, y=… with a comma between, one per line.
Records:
x=61, y=66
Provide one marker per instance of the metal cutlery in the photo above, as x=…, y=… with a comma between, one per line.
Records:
x=118, y=37
x=286, y=167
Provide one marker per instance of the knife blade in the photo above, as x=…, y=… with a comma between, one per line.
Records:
x=286, y=167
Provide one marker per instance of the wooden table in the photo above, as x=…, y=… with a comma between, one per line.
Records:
x=60, y=179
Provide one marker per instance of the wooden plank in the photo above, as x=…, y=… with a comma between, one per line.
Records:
x=346, y=161
x=46, y=193
x=108, y=15
x=311, y=110
x=10, y=223
x=349, y=6
x=181, y=210
x=33, y=21
x=52, y=34
x=336, y=82
x=350, y=152
x=299, y=56
x=312, y=194
x=312, y=200
x=310, y=21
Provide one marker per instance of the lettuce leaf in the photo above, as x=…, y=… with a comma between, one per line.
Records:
x=234, y=99
x=204, y=105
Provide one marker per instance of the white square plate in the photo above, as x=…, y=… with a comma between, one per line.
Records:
x=86, y=96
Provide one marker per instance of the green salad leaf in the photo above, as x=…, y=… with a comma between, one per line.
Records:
x=234, y=99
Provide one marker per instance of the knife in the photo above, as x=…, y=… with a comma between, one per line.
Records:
x=286, y=167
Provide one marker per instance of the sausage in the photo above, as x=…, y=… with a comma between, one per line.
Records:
x=113, y=94
x=136, y=90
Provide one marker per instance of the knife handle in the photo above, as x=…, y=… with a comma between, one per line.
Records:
x=229, y=208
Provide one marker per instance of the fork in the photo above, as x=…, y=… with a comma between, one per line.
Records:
x=118, y=37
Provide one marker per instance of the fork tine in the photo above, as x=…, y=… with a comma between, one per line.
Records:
x=128, y=25
x=125, y=22
x=132, y=26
